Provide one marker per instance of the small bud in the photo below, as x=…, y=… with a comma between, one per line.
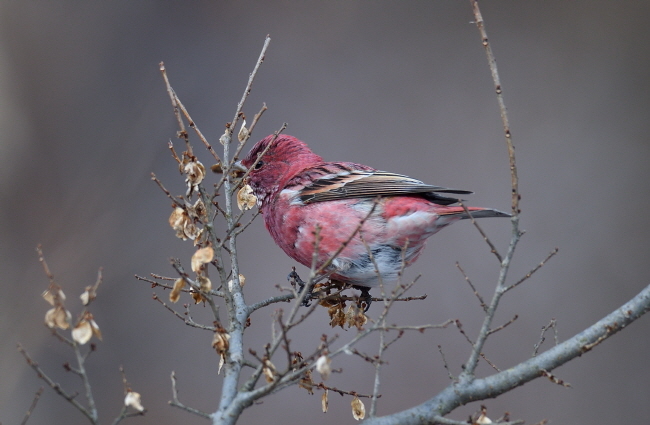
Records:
x=358, y=409
x=323, y=366
x=133, y=399
x=245, y=198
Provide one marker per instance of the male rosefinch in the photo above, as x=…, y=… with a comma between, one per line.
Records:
x=298, y=192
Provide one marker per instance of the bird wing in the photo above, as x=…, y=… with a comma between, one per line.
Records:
x=370, y=184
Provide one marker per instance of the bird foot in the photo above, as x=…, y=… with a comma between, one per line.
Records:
x=294, y=280
x=364, y=297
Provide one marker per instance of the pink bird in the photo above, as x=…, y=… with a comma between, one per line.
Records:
x=297, y=191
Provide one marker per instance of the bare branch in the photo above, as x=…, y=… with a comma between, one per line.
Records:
x=487, y=240
x=187, y=319
x=33, y=405
x=478, y=18
x=480, y=299
x=461, y=393
x=537, y=267
x=40, y=373
x=509, y=322
x=551, y=324
x=176, y=402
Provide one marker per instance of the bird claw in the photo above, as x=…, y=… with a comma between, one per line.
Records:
x=364, y=297
x=294, y=280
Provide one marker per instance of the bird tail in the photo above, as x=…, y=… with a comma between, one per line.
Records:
x=474, y=211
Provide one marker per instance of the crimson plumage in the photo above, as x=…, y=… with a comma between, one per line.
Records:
x=297, y=191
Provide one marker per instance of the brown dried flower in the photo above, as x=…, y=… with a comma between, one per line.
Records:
x=195, y=172
x=85, y=329
x=269, y=371
x=358, y=409
x=202, y=256
x=58, y=317
x=243, y=132
x=323, y=366
x=221, y=342
x=175, y=294
x=306, y=382
x=133, y=399
x=245, y=198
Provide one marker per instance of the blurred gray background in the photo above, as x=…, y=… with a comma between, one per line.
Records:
x=401, y=86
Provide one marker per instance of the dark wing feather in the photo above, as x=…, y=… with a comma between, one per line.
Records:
x=370, y=184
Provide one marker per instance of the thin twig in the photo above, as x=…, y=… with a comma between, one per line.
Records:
x=537, y=267
x=172, y=96
x=542, y=338
x=177, y=202
x=444, y=362
x=55, y=386
x=487, y=240
x=555, y=379
x=480, y=299
x=187, y=320
x=33, y=405
x=176, y=102
x=176, y=402
x=470, y=365
x=509, y=322
x=343, y=392
x=478, y=18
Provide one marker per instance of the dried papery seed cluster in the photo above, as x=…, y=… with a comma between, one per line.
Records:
x=358, y=408
x=242, y=282
x=133, y=399
x=195, y=172
x=57, y=316
x=221, y=343
x=269, y=371
x=184, y=221
x=85, y=329
x=353, y=316
x=323, y=366
x=245, y=198
x=243, y=132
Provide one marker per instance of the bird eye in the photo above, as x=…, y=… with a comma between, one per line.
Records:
x=259, y=165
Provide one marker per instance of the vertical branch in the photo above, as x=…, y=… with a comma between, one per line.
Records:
x=237, y=309
x=84, y=377
x=501, y=288
x=478, y=18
